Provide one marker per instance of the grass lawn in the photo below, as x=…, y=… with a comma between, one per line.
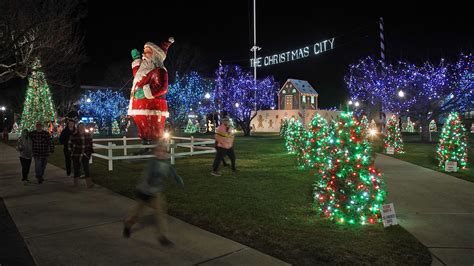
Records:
x=423, y=154
x=267, y=206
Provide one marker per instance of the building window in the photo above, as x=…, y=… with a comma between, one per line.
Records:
x=303, y=99
x=284, y=91
x=293, y=91
x=312, y=99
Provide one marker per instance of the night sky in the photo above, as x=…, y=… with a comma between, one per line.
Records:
x=223, y=30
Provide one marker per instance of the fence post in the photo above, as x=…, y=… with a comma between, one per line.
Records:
x=192, y=145
x=172, y=150
x=125, y=145
x=90, y=159
x=109, y=153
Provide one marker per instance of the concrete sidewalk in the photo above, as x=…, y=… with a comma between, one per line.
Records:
x=63, y=225
x=436, y=208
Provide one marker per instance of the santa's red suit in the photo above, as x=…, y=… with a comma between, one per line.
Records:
x=148, y=105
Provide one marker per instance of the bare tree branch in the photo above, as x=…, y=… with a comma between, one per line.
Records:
x=47, y=30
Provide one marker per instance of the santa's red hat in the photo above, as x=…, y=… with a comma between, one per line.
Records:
x=162, y=49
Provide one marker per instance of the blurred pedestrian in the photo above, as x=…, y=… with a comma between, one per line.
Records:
x=81, y=151
x=42, y=146
x=150, y=191
x=225, y=146
x=64, y=138
x=25, y=147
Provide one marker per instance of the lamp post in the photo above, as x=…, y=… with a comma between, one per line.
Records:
x=254, y=49
x=3, y=108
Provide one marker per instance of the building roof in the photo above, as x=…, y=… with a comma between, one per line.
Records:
x=302, y=86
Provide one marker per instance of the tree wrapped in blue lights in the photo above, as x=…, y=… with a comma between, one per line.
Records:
x=350, y=190
x=105, y=106
x=429, y=91
x=189, y=93
x=237, y=94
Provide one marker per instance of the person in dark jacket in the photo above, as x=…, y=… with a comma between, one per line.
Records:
x=42, y=146
x=81, y=151
x=64, y=140
x=25, y=147
x=150, y=191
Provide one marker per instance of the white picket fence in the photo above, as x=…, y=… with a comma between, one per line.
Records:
x=196, y=146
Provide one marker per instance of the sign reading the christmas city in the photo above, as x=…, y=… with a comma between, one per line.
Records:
x=388, y=215
x=315, y=49
x=451, y=166
x=390, y=150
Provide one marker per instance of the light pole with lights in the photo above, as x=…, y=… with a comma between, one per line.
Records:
x=3, y=109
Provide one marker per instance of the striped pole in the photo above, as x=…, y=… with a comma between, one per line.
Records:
x=382, y=40
x=382, y=56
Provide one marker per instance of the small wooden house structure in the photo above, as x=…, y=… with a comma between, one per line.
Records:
x=297, y=94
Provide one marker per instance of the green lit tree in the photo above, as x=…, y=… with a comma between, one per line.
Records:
x=453, y=142
x=284, y=127
x=115, y=128
x=365, y=126
x=350, y=190
x=315, y=149
x=294, y=137
x=393, y=137
x=432, y=126
x=190, y=127
x=38, y=106
x=410, y=126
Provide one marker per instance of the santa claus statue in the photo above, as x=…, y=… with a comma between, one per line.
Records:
x=148, y=105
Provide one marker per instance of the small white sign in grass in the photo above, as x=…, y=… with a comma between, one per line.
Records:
x=388, y=215
x=390, y=150
x=450, y=166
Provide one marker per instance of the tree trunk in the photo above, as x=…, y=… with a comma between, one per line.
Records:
x=245, y=128
x=425, y=131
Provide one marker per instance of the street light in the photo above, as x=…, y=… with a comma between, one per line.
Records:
x=207, y=96
x=349, y=102
x=88, y=100
x=356, y=104
x=237, y=105
x=401, y=94
x=3, y=108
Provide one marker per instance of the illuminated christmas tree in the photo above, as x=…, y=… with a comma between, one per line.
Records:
x=315, y=149
x=190, y=127
x=453, y=142
x=115, y=128
x=364, y=121
x=432, y=126
x=373, y=130
x=393, y=138
x=38, y=106
x=410, y=126
x=295, y=135
x=350, y=190
x=283, y=127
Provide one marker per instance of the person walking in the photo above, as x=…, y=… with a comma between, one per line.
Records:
x=66, y=133
x=150, y=191
x=225, y=146
x=81, y=151
x=42, y=146
x=25, y=147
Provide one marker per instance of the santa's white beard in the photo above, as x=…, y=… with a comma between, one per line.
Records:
x=146, y=66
